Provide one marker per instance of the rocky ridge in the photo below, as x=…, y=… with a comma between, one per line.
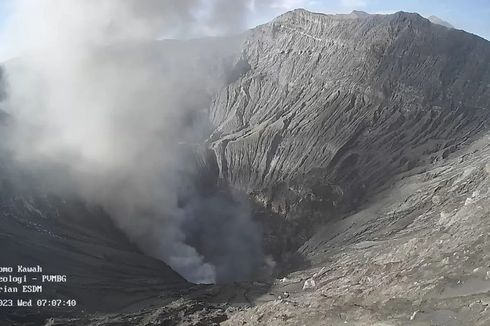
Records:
x=332, y=107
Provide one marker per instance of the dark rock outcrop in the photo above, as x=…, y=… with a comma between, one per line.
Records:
x=64, y=236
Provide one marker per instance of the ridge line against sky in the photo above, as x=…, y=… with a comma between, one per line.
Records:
x=470, y=15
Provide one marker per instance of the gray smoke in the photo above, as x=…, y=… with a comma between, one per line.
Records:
x=109, y=114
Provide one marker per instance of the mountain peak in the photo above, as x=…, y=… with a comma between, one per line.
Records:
x=359, y=13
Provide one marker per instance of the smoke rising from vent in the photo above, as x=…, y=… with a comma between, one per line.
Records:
x=108, y=113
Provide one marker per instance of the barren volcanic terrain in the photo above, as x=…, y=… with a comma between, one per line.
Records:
x=362, y=145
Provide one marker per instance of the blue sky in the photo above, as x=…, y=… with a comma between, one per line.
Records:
x=4, y=10
x=470, y=15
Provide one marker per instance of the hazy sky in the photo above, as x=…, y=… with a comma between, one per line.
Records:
x=470, y=15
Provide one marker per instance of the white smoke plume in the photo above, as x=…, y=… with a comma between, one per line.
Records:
x=117, y=118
